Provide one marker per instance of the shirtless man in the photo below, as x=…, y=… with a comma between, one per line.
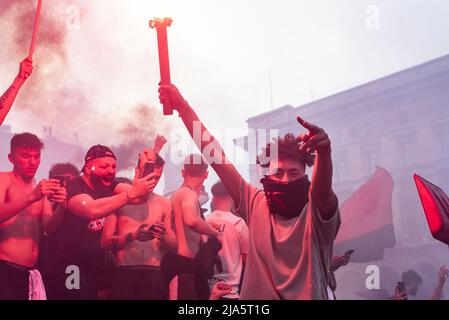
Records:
x=24, y=211
x=7, y=99
x=144, y=234
x=190, y=225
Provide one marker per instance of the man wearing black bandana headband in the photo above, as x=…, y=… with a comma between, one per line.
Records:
x=292, y=222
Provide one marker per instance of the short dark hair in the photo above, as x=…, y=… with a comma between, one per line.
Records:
x=219, y=190
x=288, y=149
x=63, y=168
x=195, y=165
x=411, y=275
x=26, y=140
x=160, y=162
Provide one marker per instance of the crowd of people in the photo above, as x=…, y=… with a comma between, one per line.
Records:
x=91, y=235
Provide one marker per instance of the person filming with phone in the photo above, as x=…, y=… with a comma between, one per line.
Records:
x=144, y=234
x=410, y=282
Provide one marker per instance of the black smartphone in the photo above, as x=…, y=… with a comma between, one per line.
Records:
x=401, y=287
x=349, y=252
x=61, y=178
x=148, y=168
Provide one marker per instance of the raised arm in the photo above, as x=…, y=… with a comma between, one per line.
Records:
x=7, y=99
x=443, y=274
x=225, y=170
x=321, y=185
x=85, y=206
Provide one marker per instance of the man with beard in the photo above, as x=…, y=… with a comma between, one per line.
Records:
x=25, y=211
x=144, y=233
x=7, y=99
x=292, y=221
x=76, y=259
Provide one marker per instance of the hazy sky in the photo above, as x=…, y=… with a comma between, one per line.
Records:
x=221, y=56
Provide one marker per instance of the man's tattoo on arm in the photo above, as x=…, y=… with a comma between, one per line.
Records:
x=5, y=96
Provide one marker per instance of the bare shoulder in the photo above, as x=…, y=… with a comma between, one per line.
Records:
x=184, y=196
x=162, y=200
x=184, y=192
x=5, y=179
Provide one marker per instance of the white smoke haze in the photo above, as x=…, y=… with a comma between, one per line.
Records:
x=96, y=71
x=90, y=76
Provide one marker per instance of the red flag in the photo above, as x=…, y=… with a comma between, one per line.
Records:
x=436, y=208
x=367, y=220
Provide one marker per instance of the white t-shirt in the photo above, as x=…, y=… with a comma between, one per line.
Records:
x=235, y=243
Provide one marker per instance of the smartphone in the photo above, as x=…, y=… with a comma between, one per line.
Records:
x=349, y=252
x=148, y=168
x=62, y=179
x=401, y=287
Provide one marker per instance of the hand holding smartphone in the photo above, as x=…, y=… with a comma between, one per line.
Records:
x=148, y=169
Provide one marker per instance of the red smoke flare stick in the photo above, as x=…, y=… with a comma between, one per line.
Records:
x=35, y=29
x=164, y=63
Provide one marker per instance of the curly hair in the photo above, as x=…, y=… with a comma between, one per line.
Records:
x=287, y=148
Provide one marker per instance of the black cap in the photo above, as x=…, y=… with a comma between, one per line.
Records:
x=99, y=151
x=96, y=152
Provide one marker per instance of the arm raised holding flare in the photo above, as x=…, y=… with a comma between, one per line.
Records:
x=223, y=167
x=315, y=141
x=7, y=99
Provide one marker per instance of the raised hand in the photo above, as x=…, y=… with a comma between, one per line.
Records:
x=26, y=68
x=159, y=143
x=142, y=187
x=443, y=274
x=316, y=140
x=169, y=92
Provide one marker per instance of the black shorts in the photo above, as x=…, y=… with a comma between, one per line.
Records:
x=14, y=281
x=139, y=283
